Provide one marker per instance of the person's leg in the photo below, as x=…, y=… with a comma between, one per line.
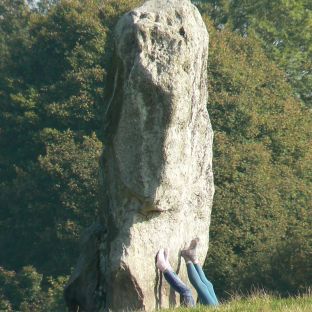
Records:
x=204, y=294
x=176, y=283
x=197, y=277
x=173, y=280
x=206, y=281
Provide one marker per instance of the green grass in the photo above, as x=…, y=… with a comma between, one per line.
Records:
x=257, y=303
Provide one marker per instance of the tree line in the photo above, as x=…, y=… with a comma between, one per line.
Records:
x=54, y=60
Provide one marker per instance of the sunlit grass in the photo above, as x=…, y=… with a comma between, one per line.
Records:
x=258, y=302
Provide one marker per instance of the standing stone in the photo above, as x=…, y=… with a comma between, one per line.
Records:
x=156, y=167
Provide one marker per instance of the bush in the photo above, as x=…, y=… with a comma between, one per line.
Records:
x=262, y=177
x=27, y=291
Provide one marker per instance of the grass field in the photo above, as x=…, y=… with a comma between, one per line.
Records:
x=258, y=303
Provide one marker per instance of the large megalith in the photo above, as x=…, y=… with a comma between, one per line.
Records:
x=156, y=168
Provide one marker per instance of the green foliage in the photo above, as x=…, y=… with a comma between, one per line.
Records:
x=14, y=38
x=284, y=28
x=262, y=142
x=50, y=124
x=26, y=291
x=292, y=261
x=52, y=202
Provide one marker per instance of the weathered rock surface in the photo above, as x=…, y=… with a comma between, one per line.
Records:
x=156, y=167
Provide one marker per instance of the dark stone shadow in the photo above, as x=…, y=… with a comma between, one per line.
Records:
x=157, y=287
x=80, y=291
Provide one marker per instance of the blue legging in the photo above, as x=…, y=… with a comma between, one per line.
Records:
x=198, y=279
x=203, y=287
